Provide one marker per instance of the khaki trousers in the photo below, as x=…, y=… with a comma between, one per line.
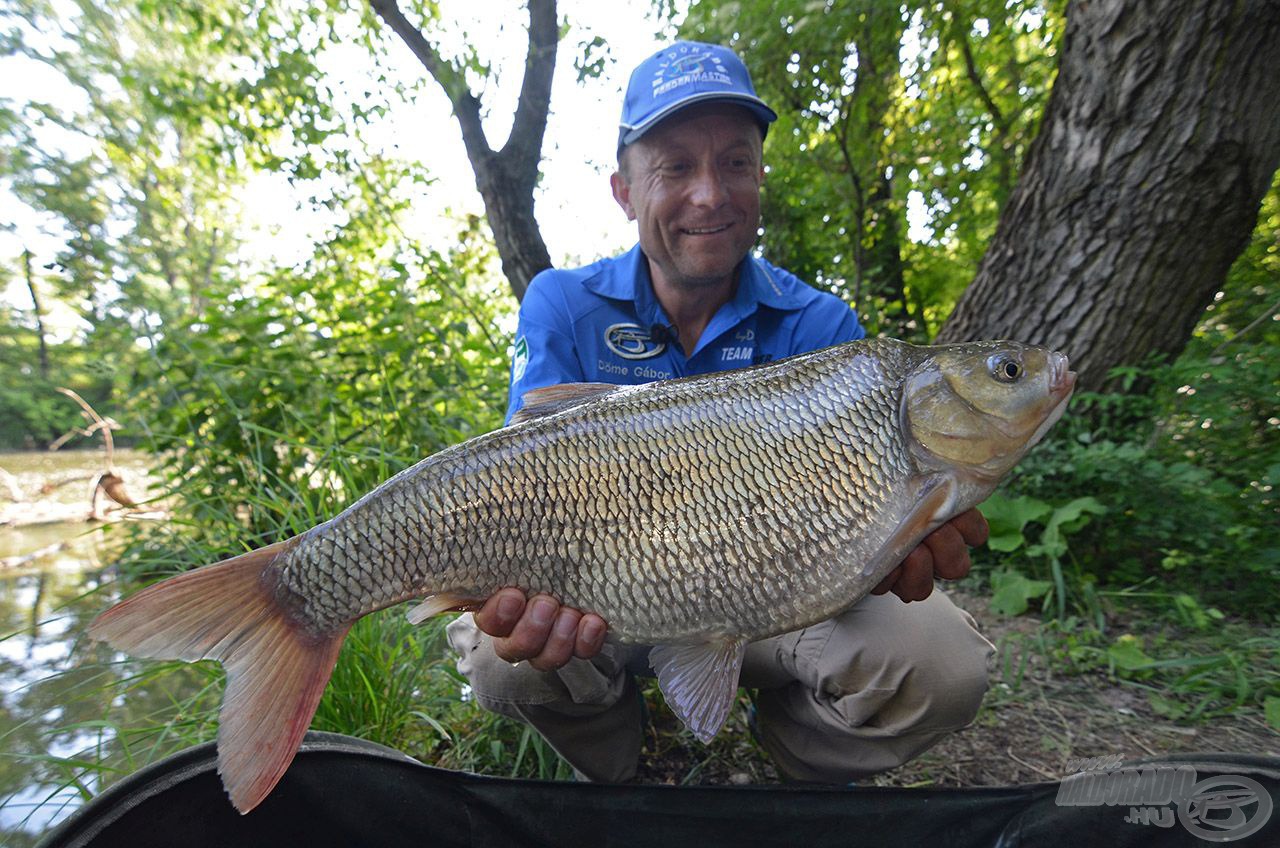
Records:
x=858, y=694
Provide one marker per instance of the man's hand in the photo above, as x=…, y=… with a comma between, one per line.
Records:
x=943, y=553
x=539, y=630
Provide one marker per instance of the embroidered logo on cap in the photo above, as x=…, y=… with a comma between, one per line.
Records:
x=686, y=65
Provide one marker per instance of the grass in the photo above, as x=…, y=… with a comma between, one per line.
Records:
x=1150, y=684
x=1136, y=670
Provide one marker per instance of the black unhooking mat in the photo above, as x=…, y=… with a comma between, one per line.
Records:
x=342, y=791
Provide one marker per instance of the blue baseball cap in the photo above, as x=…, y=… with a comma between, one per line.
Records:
x=681, y=75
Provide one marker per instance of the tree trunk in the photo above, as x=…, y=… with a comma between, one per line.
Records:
x=39, y=309
x=507, y=177
x=1158, y=143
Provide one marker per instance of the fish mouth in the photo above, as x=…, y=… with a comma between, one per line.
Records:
x=1062, y=380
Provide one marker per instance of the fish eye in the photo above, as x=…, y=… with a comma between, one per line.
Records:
x=1005, y=368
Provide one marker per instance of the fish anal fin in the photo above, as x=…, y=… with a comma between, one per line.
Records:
x=700, y=682
x=549, y=400
x=443, y=602
x=276, y=667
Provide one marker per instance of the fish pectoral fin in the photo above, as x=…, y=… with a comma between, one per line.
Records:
x=935, y=503
x=551, y=399
x=443, y=602
x=700, y=682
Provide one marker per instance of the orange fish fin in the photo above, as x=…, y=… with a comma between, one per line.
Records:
x=276, y=669
x=699, y=682
x=548, y=400
x=443, y=602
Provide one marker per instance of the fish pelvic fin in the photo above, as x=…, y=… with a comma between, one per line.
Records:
x=276, y=668
x=700, y=681
x=442, y=603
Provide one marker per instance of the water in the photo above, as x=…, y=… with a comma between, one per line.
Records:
x=55, y=687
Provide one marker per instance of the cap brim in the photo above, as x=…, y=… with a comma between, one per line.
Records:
x=628, y=134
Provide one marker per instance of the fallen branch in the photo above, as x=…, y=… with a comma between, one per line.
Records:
x=51, y=486
x=106, y=425
x=11, y=484
x=47, y=550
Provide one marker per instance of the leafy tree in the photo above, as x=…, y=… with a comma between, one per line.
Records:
x=1159, y=141
x=876, y=102
x=378, y=350
x=505, y=177
x=174, y=106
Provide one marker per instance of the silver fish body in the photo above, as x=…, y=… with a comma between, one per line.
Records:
x=695, y=515
x=744, y=502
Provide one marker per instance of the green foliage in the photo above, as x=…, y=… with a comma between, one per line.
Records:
x=32, y=412
x=159, y=112
x=315, y=385
x=1185, y=470
x=881, y=105
x=1184, y=676
x=1009, y=519
x=1011, y=592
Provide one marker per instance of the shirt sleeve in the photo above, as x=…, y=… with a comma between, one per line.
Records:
x=825, y=322
x=544, y=353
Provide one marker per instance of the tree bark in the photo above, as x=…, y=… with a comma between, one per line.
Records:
x=39, y=310
x=506, y=177
x=1160, y=138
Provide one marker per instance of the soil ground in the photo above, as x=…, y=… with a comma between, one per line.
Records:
x=1022, y=735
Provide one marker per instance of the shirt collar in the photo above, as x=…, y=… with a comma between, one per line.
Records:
x=627, y=278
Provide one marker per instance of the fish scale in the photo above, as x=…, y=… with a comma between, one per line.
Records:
x=660, y=484
x=693, y=515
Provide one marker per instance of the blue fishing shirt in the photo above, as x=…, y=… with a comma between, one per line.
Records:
x=602, y=323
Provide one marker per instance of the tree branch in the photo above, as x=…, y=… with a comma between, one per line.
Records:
x=971, y=70
x=465, y=105
x=35, y=301
x=524, y=145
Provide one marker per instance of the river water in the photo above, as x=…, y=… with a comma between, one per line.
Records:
x=57, y=690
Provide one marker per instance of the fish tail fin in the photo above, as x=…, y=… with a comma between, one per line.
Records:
x=276, y=668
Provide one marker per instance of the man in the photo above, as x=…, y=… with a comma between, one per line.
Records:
x=855, y=695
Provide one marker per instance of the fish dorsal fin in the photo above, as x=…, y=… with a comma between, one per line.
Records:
x=551, y=399
x=700, y=682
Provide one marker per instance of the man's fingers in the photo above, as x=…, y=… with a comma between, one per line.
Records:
x=501, y=612
x=972, y=526
x=558, y=649
x=530, y=634
x=887, y=583
x=591, y=632
x=949, y=551
x=916, y=581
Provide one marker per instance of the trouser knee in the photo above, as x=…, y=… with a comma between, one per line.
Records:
x=875, y=687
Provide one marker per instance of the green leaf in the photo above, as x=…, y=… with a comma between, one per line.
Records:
x=1166, y=707
x=1126, y=652
x=1064, y=521
x=1271, y=708
x=1012, y=592
x=1008, y=516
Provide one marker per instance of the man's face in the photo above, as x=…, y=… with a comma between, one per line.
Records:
x=692, y=184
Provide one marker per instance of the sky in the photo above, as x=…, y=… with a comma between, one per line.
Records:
x=576, y=212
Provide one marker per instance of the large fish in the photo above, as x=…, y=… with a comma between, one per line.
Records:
x=695, y=515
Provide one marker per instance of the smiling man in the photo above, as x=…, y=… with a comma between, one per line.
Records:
x=855, y=695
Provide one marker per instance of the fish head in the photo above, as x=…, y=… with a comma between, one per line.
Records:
x=981, y=406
